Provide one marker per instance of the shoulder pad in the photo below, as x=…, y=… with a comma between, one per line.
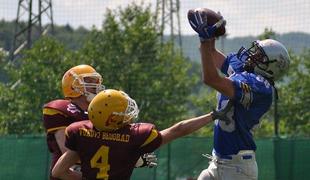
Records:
x=56, y=104
x=145, y=128
x=146, y=138
x=86, y=124
x=141, y=132
x=64, y=106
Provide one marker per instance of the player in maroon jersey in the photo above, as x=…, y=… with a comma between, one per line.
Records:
x=79, y=85
x=109, y=144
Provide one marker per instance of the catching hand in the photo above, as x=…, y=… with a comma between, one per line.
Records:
x=198, y=19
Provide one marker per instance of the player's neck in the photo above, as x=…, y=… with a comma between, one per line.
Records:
x=81, y=102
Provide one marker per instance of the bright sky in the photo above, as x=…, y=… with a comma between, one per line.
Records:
x=244, y=17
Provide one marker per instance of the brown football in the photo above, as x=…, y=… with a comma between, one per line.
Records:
x=212, y=18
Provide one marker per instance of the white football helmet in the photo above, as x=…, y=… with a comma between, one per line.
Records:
x=268, y=58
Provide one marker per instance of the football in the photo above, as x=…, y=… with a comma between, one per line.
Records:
x=212, y=18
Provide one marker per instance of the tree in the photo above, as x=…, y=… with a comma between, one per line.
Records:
x=267, y=34
x=295, y=93
x=128, y=53
x=35, y=79
x=5, y=94
x=293, y=114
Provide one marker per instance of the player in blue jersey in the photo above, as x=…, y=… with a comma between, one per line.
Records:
x=248, y=86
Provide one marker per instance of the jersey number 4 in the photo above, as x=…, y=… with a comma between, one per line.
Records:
x=100, y=161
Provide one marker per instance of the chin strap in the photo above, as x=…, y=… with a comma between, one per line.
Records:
x=275, y=90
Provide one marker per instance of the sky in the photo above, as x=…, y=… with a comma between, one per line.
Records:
x=244, y=17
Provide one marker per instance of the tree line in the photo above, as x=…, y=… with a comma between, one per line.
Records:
x=128, y=53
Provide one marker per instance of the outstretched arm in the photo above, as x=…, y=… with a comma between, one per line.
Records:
x=188, y=126
x=185, y=127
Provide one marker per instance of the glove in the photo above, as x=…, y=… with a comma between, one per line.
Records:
x=222, y=114
x=147, y=160
x=199, y=23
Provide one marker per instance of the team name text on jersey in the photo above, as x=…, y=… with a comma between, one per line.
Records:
x=104, y=135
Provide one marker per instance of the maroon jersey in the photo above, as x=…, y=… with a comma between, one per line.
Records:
x=59, y=114
x=111, y=155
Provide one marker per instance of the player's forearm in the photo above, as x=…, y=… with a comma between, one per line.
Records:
x=219, y=59
x=60, y=139
x=208, y=55
x=185, y=127
x=68, y=175
x=62, y=167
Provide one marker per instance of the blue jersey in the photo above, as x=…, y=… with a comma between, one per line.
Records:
x=233, y=64
x=252, y=99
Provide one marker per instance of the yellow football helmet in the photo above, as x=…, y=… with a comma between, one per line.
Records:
x=112, y=109
x=81, y=80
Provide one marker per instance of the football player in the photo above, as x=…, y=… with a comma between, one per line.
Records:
x=79, y=86
x=249, y=86
x=109, y=144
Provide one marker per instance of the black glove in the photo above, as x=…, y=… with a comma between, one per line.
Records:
x=147, y=160
x=222, y=114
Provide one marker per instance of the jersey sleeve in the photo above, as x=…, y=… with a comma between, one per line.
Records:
x=232, y=64
x=249, y=89
x=54, y=119
x=60, y=113
x=243, y=93
x=148, y=138
x=225, y=65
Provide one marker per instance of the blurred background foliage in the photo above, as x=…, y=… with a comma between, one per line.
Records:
x=128, y=53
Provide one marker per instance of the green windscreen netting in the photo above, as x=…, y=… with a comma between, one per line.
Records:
x=26, y=157
x=23, y=158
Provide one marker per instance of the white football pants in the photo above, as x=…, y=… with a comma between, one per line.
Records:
x=240, y=167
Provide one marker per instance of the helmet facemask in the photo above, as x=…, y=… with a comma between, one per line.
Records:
x=131, y=112
x=258, y=62
x=88, y=84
